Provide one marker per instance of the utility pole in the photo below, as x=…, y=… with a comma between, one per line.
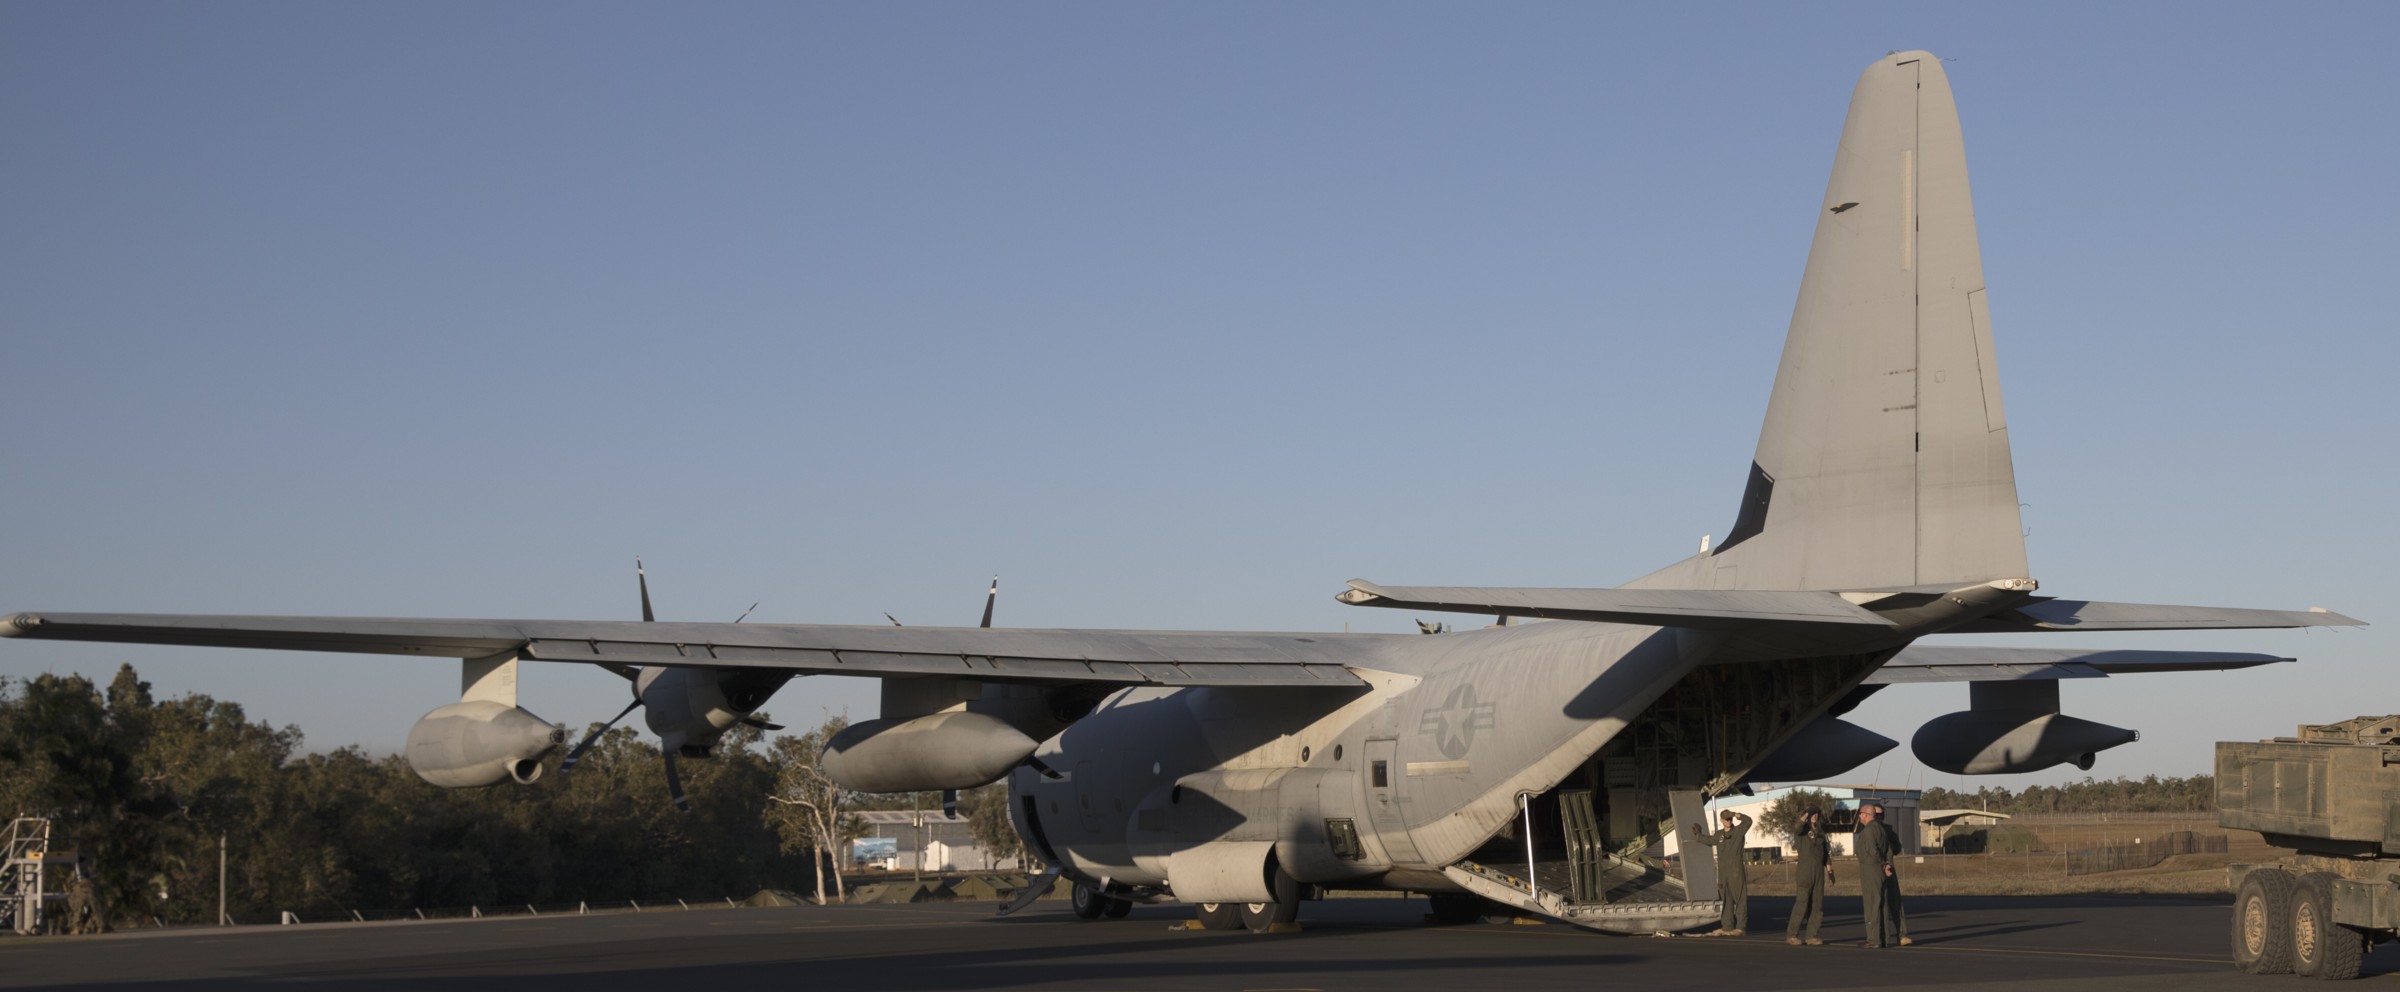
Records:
x=221, y=880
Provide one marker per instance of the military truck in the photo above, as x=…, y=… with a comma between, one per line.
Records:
x=2331, y=796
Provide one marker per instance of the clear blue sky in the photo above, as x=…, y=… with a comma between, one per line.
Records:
x=1177, y=316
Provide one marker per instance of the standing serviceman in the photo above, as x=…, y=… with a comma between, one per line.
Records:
x=1876, y=844
x=1815, y=873
x=1733, y=882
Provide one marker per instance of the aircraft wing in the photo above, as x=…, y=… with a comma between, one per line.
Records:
x=1697, y=608
x=1961, y=663
x=2080, y=614
x=1114, y=657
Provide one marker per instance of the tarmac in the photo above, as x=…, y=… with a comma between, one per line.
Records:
x=1382, y=945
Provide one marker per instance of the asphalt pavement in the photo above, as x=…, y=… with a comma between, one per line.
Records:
x=1382, y=945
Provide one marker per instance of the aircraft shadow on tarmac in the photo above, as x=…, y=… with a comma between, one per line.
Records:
x=970, y=968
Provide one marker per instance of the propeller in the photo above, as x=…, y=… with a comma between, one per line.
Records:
x=641, y=578
x=576, y=755
x=675, y=784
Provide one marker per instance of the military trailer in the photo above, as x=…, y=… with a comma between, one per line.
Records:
x=2331, y=796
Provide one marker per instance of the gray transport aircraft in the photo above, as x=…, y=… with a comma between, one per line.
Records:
x=1525, y=764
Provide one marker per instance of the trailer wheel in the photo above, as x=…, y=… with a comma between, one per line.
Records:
x=2262, y=923
x=2321, y=947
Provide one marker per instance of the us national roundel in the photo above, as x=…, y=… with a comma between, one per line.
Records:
x=1454, y=723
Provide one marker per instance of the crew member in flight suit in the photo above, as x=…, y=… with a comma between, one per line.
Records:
x=1733, y=882
x=1878, y=882
x=1815, y=872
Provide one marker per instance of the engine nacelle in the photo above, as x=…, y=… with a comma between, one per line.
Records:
x=477, y=743
x=2012, y=741
x=1825, y=748
x=956, y=749
x=690, y=708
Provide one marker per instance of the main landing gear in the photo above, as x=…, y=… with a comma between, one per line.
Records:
x=1091, y=904
x=1258, y=917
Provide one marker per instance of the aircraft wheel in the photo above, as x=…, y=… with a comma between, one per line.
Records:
x=2262, y=923
x=2322, y=948
x=1262, y=916
x=1118, y=909
x=1451, y=911
x=1087, y=902
x=1220, y=916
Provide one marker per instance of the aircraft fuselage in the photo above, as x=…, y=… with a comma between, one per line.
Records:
x=1424, y=765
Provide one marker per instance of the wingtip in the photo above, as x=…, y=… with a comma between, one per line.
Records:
x=1361, y=591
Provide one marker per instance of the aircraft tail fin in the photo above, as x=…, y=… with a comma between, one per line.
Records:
x=1884, y=461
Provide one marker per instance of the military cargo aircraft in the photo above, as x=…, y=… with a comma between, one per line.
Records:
x=1523, y=764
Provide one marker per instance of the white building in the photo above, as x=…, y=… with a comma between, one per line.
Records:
x=936, y=840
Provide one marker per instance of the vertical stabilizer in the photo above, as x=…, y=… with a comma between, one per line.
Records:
x=1884, y=459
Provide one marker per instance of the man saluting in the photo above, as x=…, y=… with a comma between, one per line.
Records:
x=1733, y=883
x=1815, y=873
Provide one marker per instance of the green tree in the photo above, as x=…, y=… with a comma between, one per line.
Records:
x=1782, y=817
x=988, y=822
x=809, y=810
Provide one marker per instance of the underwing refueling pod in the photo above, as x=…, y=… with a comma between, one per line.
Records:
x=1245, y=772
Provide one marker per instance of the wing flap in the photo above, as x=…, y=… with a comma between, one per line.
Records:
x=1699, y=608
x=1963, y=663
x=2081, y=614
x=1115, y=657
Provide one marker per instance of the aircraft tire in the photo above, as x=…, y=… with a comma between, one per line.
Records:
x=2262, y=923
x=1118, y=909
x=1263, y=916
x=1220, y=916
x=2322, y=948
x=1087, y=902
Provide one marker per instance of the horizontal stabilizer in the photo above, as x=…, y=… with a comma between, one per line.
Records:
x=1962, y=663
x=1698, y=608
x=2078, y=614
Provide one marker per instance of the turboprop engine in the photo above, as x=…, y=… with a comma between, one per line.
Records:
x=690, y=708
x=2011, y=728
x=954, y=749
x=479, y=742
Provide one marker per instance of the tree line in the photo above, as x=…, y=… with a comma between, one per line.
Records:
x=2148, y=794
x=142, y=789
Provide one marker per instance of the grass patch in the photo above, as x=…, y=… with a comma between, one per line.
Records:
x=2042, y=872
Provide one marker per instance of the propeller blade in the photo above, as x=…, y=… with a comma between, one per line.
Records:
x=644, y=579
x=990, y=598
x=950, y=800
x=746, y=613
x=761, y=724
x=675, y=785
x=895, y=620
x=594, y=737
